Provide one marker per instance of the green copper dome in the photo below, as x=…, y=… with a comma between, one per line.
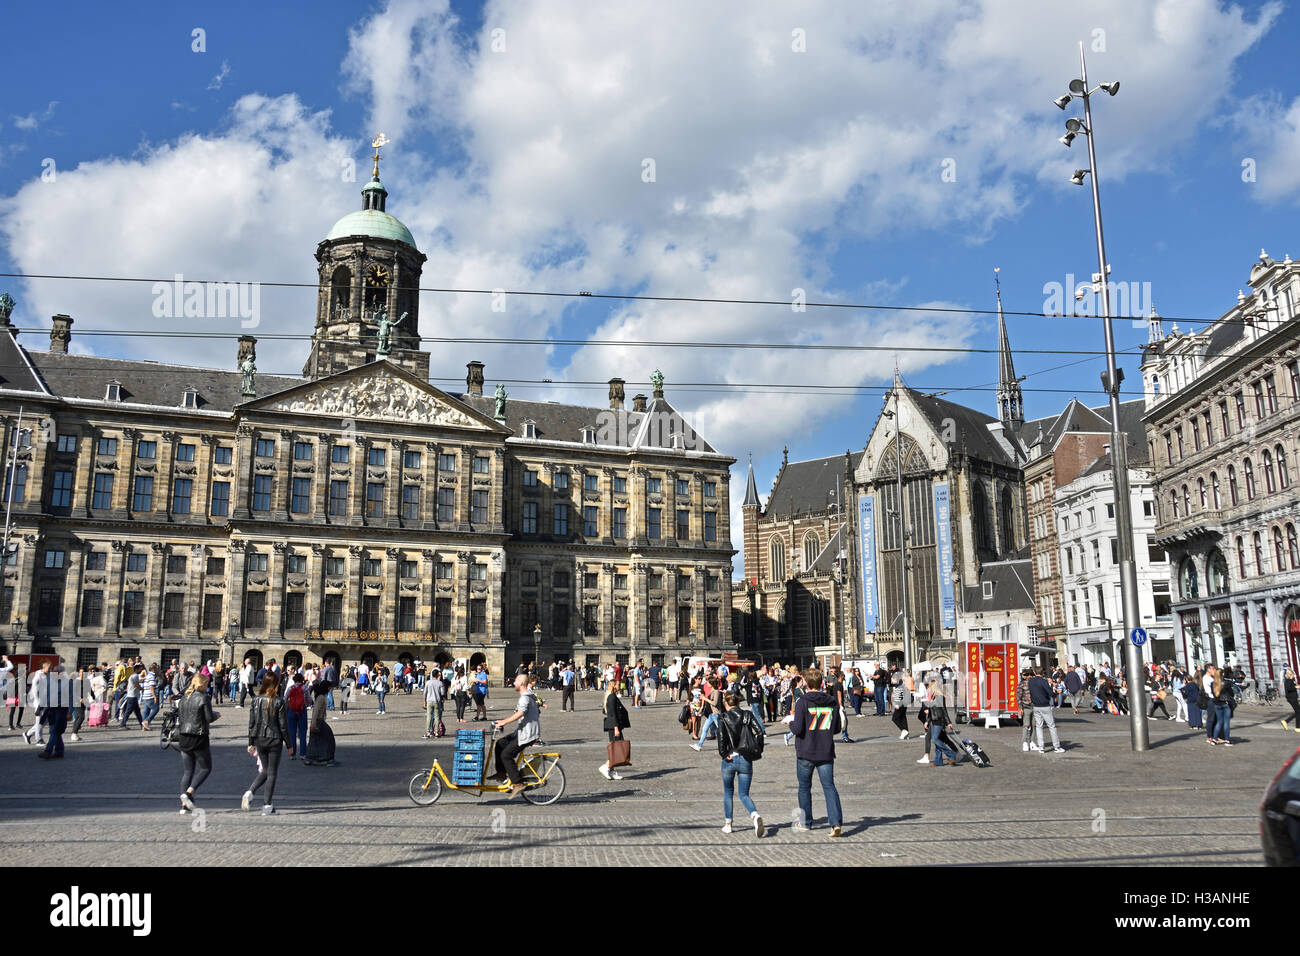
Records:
x=371, y=222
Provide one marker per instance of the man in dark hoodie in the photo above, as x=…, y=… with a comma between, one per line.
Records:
x=816, y=721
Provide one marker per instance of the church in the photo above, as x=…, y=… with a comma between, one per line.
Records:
x=355, y=512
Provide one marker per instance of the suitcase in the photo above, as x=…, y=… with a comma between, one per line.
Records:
x=975, y=752
x=98, y=715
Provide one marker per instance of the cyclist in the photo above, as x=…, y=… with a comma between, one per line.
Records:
x=508, y=747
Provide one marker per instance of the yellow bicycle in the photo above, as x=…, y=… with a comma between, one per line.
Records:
x=542, y=775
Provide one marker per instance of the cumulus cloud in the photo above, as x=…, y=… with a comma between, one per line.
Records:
x=1268, y=140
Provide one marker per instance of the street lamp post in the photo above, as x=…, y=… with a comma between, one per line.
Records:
x=537, y=646
x=1138, y=732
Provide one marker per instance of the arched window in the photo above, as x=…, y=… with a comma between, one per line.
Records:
x=340, y=291
x=1200, y=490
x=983, y=531
x=776, y=558
x=1283, y=477
x=1216, y=574
x=1259, y=553
x=1249, y=471
x=1270, y=485
x=1187, y=502
x=811, y=548
x=1173, y=502
x=1278, y=550
x=1008, y=521
x=1291, y=546
x=1214, y=491
x=1241, y=556
x=1189, y=589
x=1232, y=484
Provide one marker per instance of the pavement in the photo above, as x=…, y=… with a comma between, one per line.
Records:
x=1181, y=804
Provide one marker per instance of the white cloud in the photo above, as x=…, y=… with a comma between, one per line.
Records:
x=216, y=81
x=1268, y=141
x=33, y=120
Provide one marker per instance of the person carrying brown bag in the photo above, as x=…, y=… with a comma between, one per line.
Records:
x=616, y=721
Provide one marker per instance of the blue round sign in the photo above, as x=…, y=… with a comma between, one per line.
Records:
x=1138, y=637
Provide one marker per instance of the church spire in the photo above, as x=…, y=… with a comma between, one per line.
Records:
x=1011, y=403
x=751, y=489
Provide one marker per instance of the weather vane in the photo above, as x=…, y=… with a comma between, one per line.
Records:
x=380, y=140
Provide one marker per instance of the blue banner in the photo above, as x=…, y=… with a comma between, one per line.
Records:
x=867, y=530
x=943, y=540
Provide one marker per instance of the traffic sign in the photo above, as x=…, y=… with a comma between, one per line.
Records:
x=1138, y=637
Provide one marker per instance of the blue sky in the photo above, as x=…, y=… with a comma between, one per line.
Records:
x=776, y=168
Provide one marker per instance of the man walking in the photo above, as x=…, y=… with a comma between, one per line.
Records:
x=1074, y=687
x=433, y=688
x=835, y=689
x=814, y=723
x=569, y=681
x=1040, y=694
x=53, y=701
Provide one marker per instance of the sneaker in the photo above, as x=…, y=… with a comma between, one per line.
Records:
x=1227, y=743
x=245, y=800
x=603, y=770
x=187, y=801
x=903, y=735
x=835, y=833
x=73, y=737
x=1024, y=746
x=1034, y=747
x=615, y=775
x=1058, y=750
x=331, y=763
x=268, y=810
x=759, y=829
x=1210, y=742
x=697, y=747
x=924, y=759
x=426, y=736
x=184, y=810
x=27, y=735
x=1284, y=727
x=726, y=827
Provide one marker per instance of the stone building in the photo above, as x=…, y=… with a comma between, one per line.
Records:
x=356, y=512
x=1223, y=423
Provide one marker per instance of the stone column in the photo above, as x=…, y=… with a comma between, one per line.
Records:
x=360, y=476
x=85, y=480
x=428, y=591
x=129, y=436
x=241, y=506
x=153, y=598
x=236, y=584
x=396, y=478
x=203, y=494
x=464, y=591
x=429, y=494
x=275, y=587
x=321, y=492
x=284, y=475
x=392, y=592
x=113, y=592
x=167, y=474
x=355, y=587
x=192, y=623
x=72, y=590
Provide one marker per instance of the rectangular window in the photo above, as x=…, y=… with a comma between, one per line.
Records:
x=1196, y=434
x=1223, y=419
x=1096, y=555
x=132, y=609
x=1110, y=511
x=590, y=521
x=55, y=559
x=590, y=580
x=477, y=616
x=66, y=444
x=216, y=567
x=710, y=526
x=295, y=611
x=262, y=492
x=220, y=498
x=710, y=489
x=683, y=524
x=1155, y=554
x=710, y=622
x=103, y=495
x=653, y=485
x=446, y=462
x=590, y=620
x=300, y=502
x=590, y=482
x=482, y=464
x=683, y=583
x=374, y=499
x=185, y=452
x=446, y=571
x=177, y=563
x=182, y=493
x=410, y=502
x=370, y=614
x=652, y=522
x=255, y=609
x=528, y=614
x=146, y=449
x=173, y=610
x=61, y=490
x=442, y=615
x=412, y=460
x=620, y=485
x=620, y=582
x=92, y=608
x=406, y=614
x=562, y=481
x=560, y=620
x=335, y=566
x=620, y=523
x=340, y=454
x=302, y=451
x=338, y=498
x=333, y=611
x=142, y=500
x=96, y=560
x=49, y=608
x=408, y=569
x=530, y=478
x=620, y=620
x=372, y=567
x=683, y=621
x=683, y=486
x=561, y=520
x=1240, y=400
x=478, y=572
x=265, y=448
x=106, y=446
x=1114, y=552
x=377, y=457
x=479, y=508
x=530, y=517
x=446, y=504
x=1270, y=391
x=655, y=618
x=654, y=581
x=256, y=561
x=528, y=578
x=712, y=582
x=222, y=455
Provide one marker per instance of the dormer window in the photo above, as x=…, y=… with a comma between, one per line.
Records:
x=988, y=590
x=530, y=429
x=190, y=398
x=113, y=393
x=588, y=435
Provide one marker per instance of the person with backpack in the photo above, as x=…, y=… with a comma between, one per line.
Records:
x=616, y=722
x=814, y=723
x=433, y=691
x=740, y=744
x=194, y=719
x=296, y=707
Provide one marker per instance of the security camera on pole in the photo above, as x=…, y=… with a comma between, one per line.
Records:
x=1111, y=379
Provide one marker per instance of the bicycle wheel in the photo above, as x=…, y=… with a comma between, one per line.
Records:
x=551, y=787
x=422, y=795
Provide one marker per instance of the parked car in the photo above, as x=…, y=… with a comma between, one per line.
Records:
x=1279, y=816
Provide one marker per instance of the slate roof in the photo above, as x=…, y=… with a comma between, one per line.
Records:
x=972, y=427
x=751, y=489
x=15, y=369
x=1223, y=337
x=806, y=486
x=1078, y=417
x=1013, y=588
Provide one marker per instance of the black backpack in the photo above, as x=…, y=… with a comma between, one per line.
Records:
x=750, y=744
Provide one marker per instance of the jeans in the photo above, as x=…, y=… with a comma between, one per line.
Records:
x=150, y=709
x=826, y=773
x=433, y=716
x=131, y=706
x=941, y=749
x=270, y=757
x=880, y=700
x=738, y=771
x=297, y=729
x=1224, y=714
x=329, y=699
x=381, y=695
x=1193, y=715
x=1026, y=723
x=712, y=721
x=1211, y=721
x=1043, y=717
x=57, y=720
x=857, y=705
x=1180, y=706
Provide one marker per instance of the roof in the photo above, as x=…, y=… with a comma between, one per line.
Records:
x=148, y=383
x=1077, y=417
x=1013, y=588
x=808, y=486
x=373, y=223
x=751, y=489
x=16, y=370
x=972, y=429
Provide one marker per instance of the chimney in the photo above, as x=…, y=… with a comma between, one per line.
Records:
x=60, y=333
x=638, y=403
x=615, y=393
x=247, y=349
x=474, y=380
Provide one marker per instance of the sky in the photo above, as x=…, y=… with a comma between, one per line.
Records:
x=890, y=154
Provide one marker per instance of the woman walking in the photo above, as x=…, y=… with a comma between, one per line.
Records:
x=460, y=693
x=1289, y=692
x=194, y=717
x=898, y=699
x=1223, y=692
x=616, y=721
x=737, y=770
x=796, y=691
x=268, y=729
x=1156, y=688
x=1191, y=696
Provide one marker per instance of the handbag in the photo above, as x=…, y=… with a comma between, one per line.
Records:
x=1161, y=694
x=619, y=752
x=11, y=701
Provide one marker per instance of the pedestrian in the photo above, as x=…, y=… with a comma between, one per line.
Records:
x=508, y=747
x=1026, y=711
x=1040, y=692
x=814, y=723
x=923, y=717
x=379, y=683
x=855, y=689
x=433, y=708
x=1205, y=700
x=194, y=716
x=568, y=679
x=898, y=702
x=1224, y=700
x=14, y=690
x=1177, y=681
x=460, y=693
x=797, y=691
x=1074, y=687
x=296, y=708
x=740, y=744
x=616, y=722
x=480, y=690
x=268, y=731
x=149, y=703
x=320, y=746
x=834, y=687
x=1191, y=694
x=940, y=723
x=715, y=705
x=1156, y=688
x=1289, y=693
x=53, y=700
x=131, y=699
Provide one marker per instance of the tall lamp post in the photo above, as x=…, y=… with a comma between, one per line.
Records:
x=537, y=647
x=1138, y=732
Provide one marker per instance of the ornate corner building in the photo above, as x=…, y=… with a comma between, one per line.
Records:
x=356, y=512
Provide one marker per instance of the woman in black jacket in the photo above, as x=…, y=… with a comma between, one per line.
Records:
x=737, y=770
x=616, y=721
x=1289, y=692
x=194, y=716
x=268, y=730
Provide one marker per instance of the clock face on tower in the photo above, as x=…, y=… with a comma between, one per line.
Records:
x=377, y=276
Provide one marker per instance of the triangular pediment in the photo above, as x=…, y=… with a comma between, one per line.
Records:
x=379, y=391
